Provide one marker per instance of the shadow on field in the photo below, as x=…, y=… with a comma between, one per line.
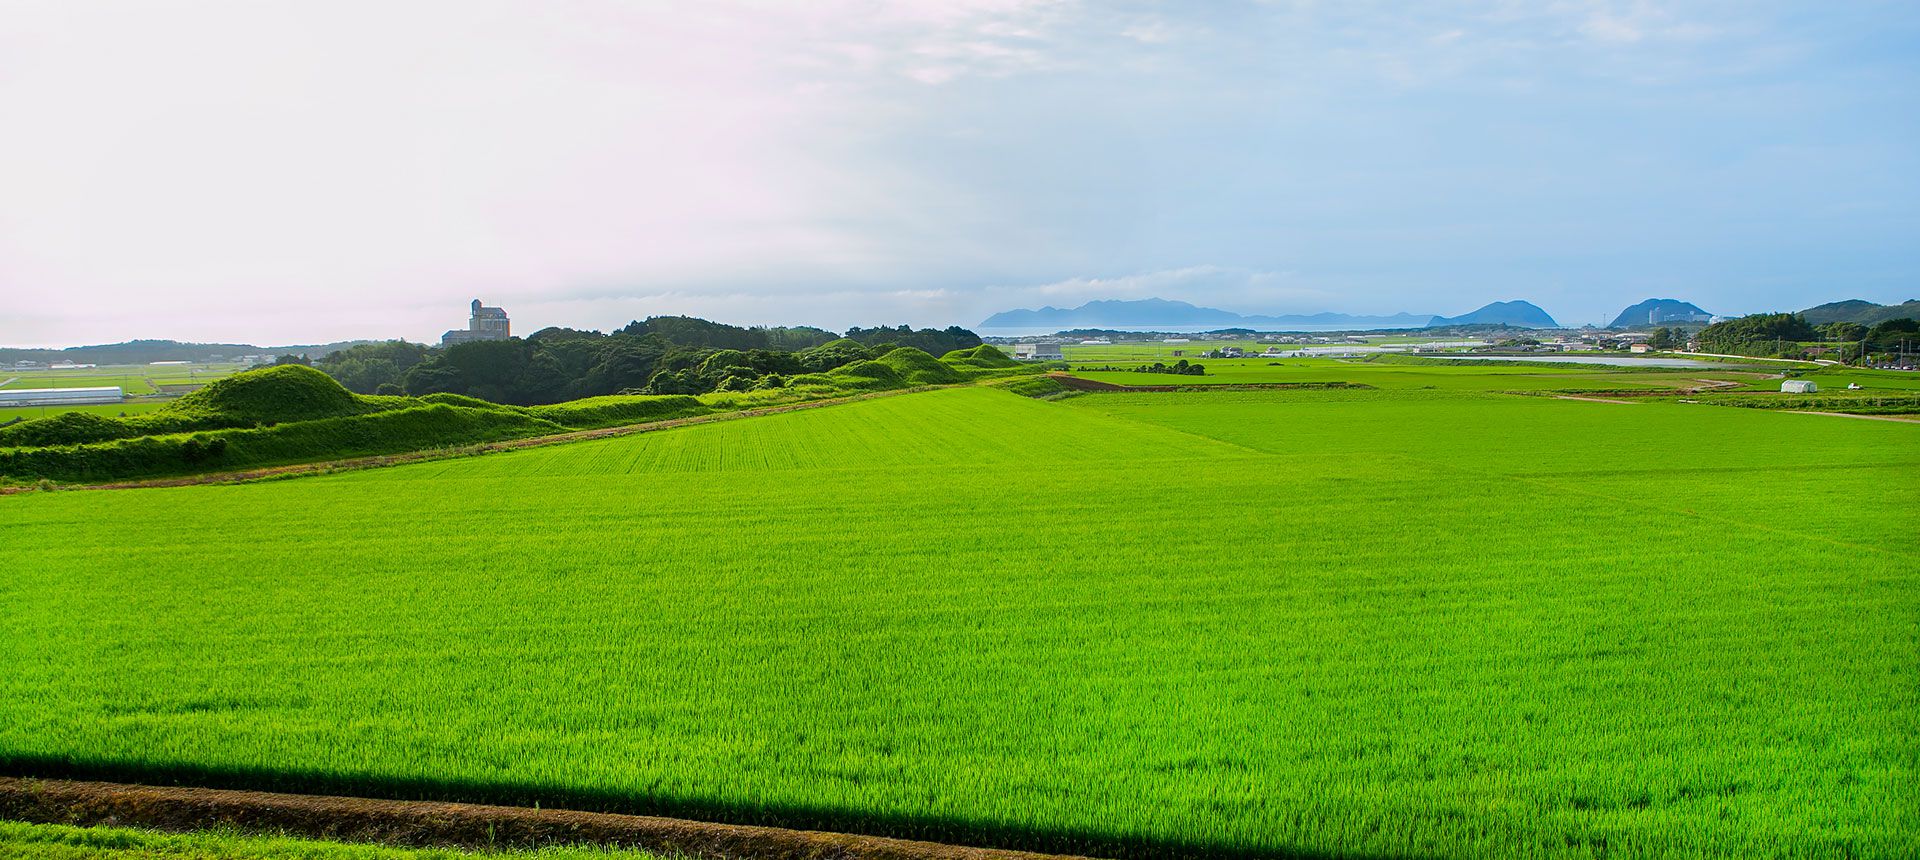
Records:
x=927, y=829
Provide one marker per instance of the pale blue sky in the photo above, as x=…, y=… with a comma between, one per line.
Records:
x=279, y=172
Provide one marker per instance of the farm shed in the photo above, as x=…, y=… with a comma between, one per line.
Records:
x=1038, y=352
x=1799, y=386
x=60, y=396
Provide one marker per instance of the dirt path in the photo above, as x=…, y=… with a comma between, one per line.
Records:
x=1894, y=418
x=422, y=823
x=1591, y=399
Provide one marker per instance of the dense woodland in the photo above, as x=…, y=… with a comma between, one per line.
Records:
x=661, y=355
x=1791, y=336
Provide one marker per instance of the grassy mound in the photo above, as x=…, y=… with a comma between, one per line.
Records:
x=1043, y=387
x=916, y=367
x=866, y=376
x=616, y=409
x=289, y=392
x=463, y=400
x=983, y=357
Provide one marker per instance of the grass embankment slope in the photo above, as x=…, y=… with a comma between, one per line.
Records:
x=1326, y=622
x=59, y=842
x=294, y=414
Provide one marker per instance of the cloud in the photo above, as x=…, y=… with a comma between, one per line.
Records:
x=231, y=170
x=1607, y=28
x=1247, y=290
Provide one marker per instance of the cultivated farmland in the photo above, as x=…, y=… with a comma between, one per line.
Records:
x=1305, y=623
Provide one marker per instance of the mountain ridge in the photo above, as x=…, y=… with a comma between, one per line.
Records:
x=1166, y=312
x=1861, y=311
x=1517, y=312
x=1656, y=311
x=147, y=350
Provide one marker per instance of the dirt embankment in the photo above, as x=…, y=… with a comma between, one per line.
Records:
x=421, y=823
x=327, y=466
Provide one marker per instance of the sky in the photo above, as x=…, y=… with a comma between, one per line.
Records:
x=295, y=172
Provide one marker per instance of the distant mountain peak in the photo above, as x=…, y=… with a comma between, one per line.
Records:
x=1517, y=312
x=1657, y=311
x=1143, y=313
x=1861, y=311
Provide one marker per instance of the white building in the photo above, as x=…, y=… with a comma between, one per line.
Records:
x=1042, y=351
x=60, y=396
x=1799, y=386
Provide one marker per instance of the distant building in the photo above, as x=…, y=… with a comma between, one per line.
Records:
x=60, y=396
x=1640, y=347
x=1799, y=386
x=1042, y=351
x=485, y=324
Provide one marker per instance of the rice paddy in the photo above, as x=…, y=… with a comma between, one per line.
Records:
x=1285, y=623
x=1420, y=376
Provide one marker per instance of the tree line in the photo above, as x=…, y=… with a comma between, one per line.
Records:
x=1789, y=335
x=659, y=355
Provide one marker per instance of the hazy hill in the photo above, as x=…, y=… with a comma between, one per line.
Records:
x=143, y=351
x=1861, y=311
x=1164, y=312
x=1655, y=311
x=1515, y=313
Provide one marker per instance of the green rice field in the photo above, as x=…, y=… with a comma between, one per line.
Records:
x=133, y=379
x=1491, y=377
x=130, y=407
x=1415, y=620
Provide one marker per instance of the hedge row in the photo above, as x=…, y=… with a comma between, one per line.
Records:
x=392, y=432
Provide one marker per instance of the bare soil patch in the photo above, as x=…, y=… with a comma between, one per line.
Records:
x=428, y=824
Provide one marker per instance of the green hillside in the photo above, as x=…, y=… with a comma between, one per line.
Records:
x=1338, y=622
x=1861, y=311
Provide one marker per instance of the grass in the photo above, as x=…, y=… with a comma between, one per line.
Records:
x=295, y=414
x=1352, y=622
x=20, y=841
x=1419, y=376
x=132, y=407
x=1837, y=379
